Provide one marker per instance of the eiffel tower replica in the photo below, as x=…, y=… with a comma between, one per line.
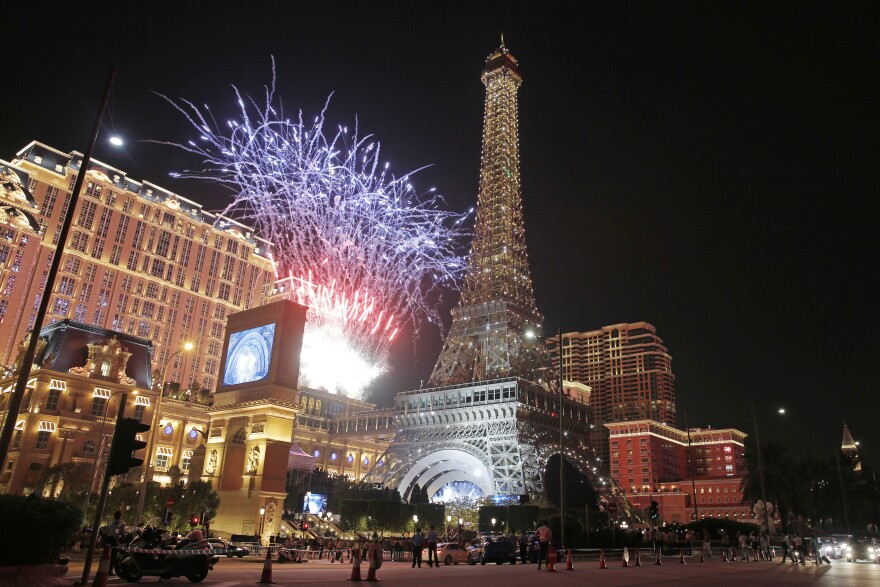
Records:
x=496, y=328
x=488, y=422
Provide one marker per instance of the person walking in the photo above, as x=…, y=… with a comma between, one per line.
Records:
x=707, y=543
x=786, y=549
x=431, y=539
x=545, y=535
x=418, y=542
x=523, y=547
x=743, y=547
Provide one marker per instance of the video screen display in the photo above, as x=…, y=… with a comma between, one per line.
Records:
x=314, y=503
x=249, y=355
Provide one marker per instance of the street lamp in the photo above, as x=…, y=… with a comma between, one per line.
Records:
x=561, y=449
x=448, y=523
x=148, y=473
x=761, y=465
x=98, y=452
x=262, y=517
x=13, y=408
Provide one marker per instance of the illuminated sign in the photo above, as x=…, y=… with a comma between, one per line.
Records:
x=249, y=355
x=314, y=503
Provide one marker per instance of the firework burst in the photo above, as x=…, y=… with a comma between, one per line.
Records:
x=355, y=243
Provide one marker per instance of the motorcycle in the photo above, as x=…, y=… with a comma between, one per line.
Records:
x=132, y=565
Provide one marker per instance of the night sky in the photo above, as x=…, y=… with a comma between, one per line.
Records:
x=705, y=167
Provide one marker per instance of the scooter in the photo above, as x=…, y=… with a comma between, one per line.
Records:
x=192, y=565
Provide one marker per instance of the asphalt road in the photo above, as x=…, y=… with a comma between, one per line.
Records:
x=249, y=571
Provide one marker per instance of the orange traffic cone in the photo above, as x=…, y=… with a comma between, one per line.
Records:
x=638, y=559
x=658, y=562
x=103, y=569
x=602, y=564
x=267, y=568
x=568, y=565
x=625, y=557
x=681, y=560
x=551, y=558
x=371, y=572
x=355, y=564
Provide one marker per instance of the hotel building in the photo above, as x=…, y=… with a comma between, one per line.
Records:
x=140, y=260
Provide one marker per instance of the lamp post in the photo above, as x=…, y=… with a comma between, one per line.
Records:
x=761, y=465
x=561, y=450
x=262, y=517
x=448, y=523
x=98, y=452
x=691, y=461
x=27, y=360
x=148, y=472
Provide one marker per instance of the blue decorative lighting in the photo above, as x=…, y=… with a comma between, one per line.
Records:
x=168, y=429
x=333, y=456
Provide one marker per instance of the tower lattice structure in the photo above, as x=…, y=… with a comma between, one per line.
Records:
x=496, y=326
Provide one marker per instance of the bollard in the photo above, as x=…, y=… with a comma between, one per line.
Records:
x=267, y=568
x=103, y=569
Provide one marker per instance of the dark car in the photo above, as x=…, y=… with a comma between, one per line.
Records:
x=496, y=551
x=220, y=546
x=863, y=549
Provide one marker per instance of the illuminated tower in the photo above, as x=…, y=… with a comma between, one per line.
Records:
x=495, y=329
x=850, y=449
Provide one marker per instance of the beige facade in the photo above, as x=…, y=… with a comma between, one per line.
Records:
x=139, y=260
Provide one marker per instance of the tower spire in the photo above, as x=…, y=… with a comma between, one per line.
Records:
x=496, y=327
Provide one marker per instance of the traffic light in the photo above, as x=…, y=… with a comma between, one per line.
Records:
x=305, y=525
x=655, y=512
x=124, y=443
x=193, y=520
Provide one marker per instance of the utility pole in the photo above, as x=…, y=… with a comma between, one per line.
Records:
x=691, y=459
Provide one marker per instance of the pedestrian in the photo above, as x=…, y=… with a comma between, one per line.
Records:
x=689, y=541
x=743, y=547
x=545, y=535
x=786, y=549
x=707, y=543
x=764, y=543
x=431, y=539
x=418, y=541
x=523, y=547
x=375, y=554
x=111, y=533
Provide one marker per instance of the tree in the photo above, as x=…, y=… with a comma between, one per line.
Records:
x=782, y=481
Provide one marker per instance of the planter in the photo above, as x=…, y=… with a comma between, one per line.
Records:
x=34, y=576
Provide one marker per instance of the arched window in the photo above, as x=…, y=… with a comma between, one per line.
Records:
x=88, y=446
x=239, y=436
x=105, y=368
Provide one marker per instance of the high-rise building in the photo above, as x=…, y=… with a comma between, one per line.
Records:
x=628, y=370
x=139, y=260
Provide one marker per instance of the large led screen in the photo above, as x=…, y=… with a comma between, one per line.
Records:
x=249, y=355
x=314, y=503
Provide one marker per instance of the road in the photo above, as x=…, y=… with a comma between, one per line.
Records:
x=248, y=571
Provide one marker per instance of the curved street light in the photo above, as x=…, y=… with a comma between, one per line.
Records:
x=148, y=472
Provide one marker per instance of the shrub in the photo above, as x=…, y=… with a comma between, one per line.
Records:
x=36, y=530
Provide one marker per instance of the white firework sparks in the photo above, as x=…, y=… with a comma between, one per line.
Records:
x=358, y=245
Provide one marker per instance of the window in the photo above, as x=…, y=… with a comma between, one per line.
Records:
x=99, y=405
x=42, y=439
x=187, y=457
x=162, y=461
x=52, y=400
x=88, y=446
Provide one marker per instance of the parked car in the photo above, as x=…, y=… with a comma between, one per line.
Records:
x=220, y=546
x=497, y=551
x=865, y=549
x=451, y=553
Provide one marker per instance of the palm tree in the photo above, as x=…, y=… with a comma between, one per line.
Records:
x=782, y=482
